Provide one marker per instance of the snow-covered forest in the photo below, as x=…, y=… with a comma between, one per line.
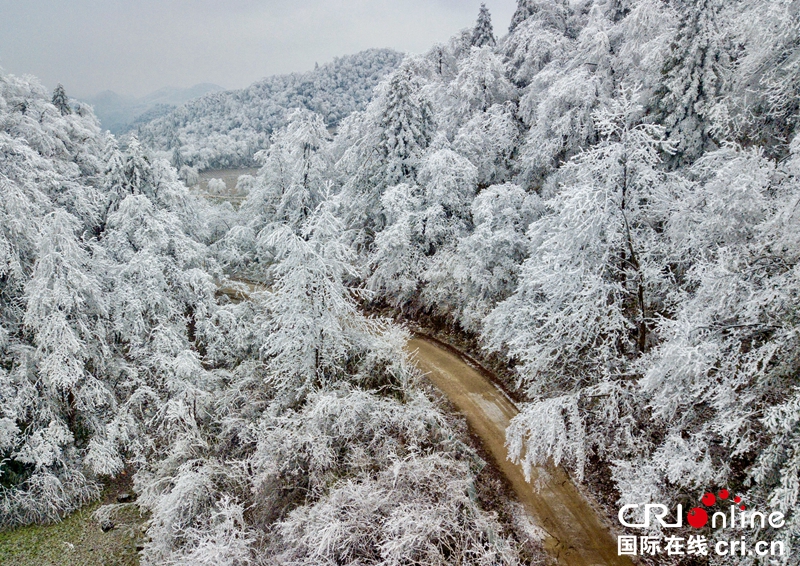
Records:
x=226, y=129
x=607, y=198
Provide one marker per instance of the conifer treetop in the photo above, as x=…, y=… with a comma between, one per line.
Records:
x=61, y=101
x=483, y=34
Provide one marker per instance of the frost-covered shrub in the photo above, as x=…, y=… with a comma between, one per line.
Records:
x=217, y=186
x=341, y=433
x=418, y=510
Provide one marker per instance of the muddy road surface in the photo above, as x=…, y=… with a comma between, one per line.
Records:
x=576, y=535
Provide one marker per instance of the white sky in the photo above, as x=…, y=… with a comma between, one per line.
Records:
x=137, y=46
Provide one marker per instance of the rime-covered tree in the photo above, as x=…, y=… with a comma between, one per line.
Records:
x=487, y=261
x=559, y=108
x=52, y=327
x=694, y=75
x=137, y=171
x=422, y=225
x=531, y=47
x=385, y=147
x=61, y=101
x=764, y=106
x=731, y=240
x=553, y=13
x=525, y=8
x=490, y=140
x=353, y=520
x=582, y=309
x=449, y=182
x=479, y=84
x=405, y=123
x=177, y=158
x=641, y=41
x=483, y=33
x=114, y=180
x=311, y=318
x=599, y=232
x=397, y=257
x=292, y=182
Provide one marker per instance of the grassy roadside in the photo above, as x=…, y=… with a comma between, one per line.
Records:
x=78, y=540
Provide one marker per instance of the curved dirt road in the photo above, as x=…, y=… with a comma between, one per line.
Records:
x=576, y=535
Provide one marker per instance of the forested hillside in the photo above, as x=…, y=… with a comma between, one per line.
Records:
x=285, y=428
x=606, y=197
x=103, y=260
x=121, y=114
x=226, y=129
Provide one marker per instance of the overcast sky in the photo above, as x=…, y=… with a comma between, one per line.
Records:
x=137, y=46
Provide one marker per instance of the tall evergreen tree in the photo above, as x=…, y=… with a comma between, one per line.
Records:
x=177, y=158
x=694, y=73
x=61, y=101
x=553, y=13
x=297, y=166
x=314, y=321
x=406, y=125
x=525, y=9
x=483, y=34
x=137, y=170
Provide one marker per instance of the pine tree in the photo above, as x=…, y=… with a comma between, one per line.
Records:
x=313, y=319
x=386, y=146
x=406, y=125
x=177, y=158
x=297, y=174
x=51, y=306
x=483, y=34
x=552, y=13
x=61, y=101
x=694, y=73
x=137, y=171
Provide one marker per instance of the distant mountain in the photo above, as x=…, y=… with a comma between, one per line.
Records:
x=177, y=96
x=226, y=129
x=119, y=113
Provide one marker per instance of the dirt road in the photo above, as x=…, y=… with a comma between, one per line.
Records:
x=576, y=535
